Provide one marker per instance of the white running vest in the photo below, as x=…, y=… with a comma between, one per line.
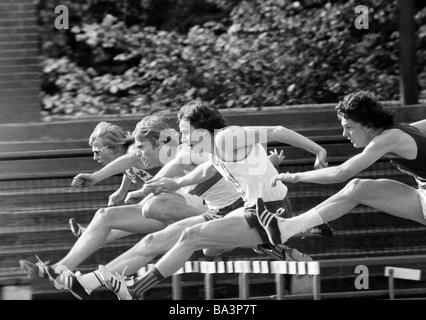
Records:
x=252, y=176
x=219, y=194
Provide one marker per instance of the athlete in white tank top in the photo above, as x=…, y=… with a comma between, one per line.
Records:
x=252, y=175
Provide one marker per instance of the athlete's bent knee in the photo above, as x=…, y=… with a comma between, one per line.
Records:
x=156, y=208
x=101, y=214
x=190, y=235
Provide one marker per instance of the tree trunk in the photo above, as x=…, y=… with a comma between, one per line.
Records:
x=407, y=56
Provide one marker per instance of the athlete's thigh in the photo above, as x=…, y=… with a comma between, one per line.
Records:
x=129, y=218
x=170, y=235
x=170, y=201
x=171, y=207
x=228, y=232
x=395, y=198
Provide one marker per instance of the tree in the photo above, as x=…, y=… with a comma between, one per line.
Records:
x=407, y=55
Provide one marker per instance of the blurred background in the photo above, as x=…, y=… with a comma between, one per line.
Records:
x=139, y=56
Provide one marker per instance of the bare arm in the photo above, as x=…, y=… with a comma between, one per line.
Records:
x=117, y=166
x=174, y=168
x=120, y=194
x=232, y=143
x=201, y=173
x=375, y=150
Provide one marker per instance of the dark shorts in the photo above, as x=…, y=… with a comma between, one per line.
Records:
x=281, y=207
x=214, y=214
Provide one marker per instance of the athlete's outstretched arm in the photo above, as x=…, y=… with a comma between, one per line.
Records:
x=117, y=166
x=174, y=168
x=375, y=150
x=200, y=174
x=234, y=139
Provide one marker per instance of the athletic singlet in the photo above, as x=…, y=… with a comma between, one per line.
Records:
x=415, y=167
x=135, y=174
x=221, y=194
x=216, y=192
x=252, y=176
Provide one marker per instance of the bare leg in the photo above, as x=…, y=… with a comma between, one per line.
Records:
x=151, y=246
x=117, y=234
x=113, y=235
x=229, y=232
x=127, y=218
x=169, y=207
x=392, y=197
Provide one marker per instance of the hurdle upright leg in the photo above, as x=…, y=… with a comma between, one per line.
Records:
x=177, y=287
x=209, y=286
x=279, y=286
x=244, y=286
x=391, y=281
x=317, y=287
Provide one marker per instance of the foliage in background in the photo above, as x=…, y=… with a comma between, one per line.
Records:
x=123, y=57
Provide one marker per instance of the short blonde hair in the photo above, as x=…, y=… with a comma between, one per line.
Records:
x=111, y=134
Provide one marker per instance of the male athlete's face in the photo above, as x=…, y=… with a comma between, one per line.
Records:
x=199, y=140
x=358, y=134
x=186, y=129
x=148, y=153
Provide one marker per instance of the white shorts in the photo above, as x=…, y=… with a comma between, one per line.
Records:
x=193, y=200
x=422, y=197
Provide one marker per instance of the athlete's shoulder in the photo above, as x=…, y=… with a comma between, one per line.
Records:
x=390, y=139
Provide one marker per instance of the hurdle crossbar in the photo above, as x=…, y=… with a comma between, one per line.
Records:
x=244, y=268
x=400, y=273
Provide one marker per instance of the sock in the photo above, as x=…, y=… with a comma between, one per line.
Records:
x=147, y=281
x=91, y=281
x=290, y=227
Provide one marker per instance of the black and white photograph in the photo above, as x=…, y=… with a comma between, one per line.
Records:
x=213, y=158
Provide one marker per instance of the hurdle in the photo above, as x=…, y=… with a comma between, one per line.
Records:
x=243, y=269
x=400, y=273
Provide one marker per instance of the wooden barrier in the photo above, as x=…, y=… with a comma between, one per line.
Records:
x=400, y=273
x=243, y=269
x=279, y=268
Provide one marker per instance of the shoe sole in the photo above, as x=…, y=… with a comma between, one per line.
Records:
x=289, y=254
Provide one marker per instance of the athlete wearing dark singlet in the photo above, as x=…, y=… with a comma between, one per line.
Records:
x=415, y=167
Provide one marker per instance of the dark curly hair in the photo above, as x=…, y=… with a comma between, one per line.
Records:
x=202, y=116
x=364, y=108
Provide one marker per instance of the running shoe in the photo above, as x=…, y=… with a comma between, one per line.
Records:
x=292, y=254
x=39, y=270
x=215, y=252
x=117, y=283
x=76, y=228
x=69, y=281
x=322, y=230
x=283, y=252
x=269, y=222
